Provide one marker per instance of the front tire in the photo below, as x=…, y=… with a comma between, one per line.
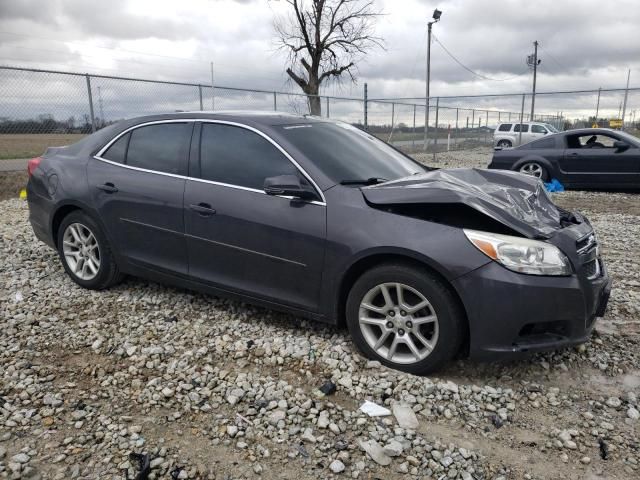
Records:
x=85, y=252
x=405, y=317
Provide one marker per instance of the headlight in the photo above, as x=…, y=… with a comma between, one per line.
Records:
x=521, y=254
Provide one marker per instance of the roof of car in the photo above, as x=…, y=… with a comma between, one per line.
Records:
x=523, y=123
x=588, y=131
x=253, y=116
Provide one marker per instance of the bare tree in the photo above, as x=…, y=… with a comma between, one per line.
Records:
x=324, y=40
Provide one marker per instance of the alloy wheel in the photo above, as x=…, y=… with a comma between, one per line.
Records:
x=81, y=251
x=398, y=323
x=532, y=169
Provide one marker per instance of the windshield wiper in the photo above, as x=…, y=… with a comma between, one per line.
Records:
x=368, y=181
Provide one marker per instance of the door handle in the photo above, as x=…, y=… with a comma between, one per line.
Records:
x=574, y=154
x=203, y=209
x=108, y=187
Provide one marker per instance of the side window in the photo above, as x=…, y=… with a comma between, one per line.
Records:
x=505, y=127
x=162, y=147
x=237, y=156
x=596, y=141
x=118, y=150
x=549, y=142
x=538, y=129
x=524, y=126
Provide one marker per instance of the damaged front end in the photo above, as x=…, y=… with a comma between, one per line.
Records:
x=505, y=202
x=546, y=259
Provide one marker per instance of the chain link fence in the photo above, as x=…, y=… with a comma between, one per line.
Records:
x=40, y=108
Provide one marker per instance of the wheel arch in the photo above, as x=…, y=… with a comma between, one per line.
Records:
x=538, y=159
x=371, y=260
x=65, y=208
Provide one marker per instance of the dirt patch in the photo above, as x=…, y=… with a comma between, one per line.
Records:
x=11, y=183
x=26, y=145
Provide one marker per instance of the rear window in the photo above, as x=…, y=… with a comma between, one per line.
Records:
x=162, y=147
x=117, y=151
x=524, y=126
x=505, y=127
x=543, y=143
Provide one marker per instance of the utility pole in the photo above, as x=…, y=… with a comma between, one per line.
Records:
x=532, y=61
x=626, y=94
x=436, y=16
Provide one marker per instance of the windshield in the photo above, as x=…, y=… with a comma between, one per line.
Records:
x=551, y=128
x=346, y=153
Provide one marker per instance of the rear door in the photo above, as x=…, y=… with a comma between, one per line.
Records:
x=591, y=159
x=517, y=128
x=241, y=239
x=138, y=186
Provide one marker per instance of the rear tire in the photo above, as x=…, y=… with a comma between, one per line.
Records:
x=425, y=337
x=535, y=169
x=505, y=144
x=85, y=252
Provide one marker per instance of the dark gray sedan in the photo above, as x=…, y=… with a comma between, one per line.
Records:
x=322, y=220
x=585, y=158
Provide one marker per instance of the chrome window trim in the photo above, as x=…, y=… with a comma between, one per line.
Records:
x=98, y=156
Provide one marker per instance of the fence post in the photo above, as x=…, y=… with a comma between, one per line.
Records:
x=275, y=102
x=327, y=107
x=520, y=126
x=473, y=122
x=413, y=143
x=435, y=138
x=486, y=129
x=393, y=114
x=366, y=124
x=200, y=95
x=455, y=139
x=93, y=120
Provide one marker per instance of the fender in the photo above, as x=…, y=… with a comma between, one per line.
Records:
x=350, y=272
x=82, y=206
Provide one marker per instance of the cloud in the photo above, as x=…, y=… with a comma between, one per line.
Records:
x=583, y=44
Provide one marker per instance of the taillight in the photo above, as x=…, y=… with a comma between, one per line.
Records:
x=33, y=164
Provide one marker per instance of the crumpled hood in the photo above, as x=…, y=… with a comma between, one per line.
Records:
x=513, y=199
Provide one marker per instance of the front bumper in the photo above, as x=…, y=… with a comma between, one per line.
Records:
x=511, y=313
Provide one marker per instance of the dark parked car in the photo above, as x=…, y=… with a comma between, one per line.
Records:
x=587, y=158
x=323, y=220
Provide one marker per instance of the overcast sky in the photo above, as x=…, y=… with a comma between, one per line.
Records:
x=584, y=44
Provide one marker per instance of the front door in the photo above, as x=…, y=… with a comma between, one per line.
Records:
x=593, y=160
x=239, y=238
x=138, y=187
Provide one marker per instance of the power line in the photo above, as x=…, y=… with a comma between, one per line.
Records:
x=551, y=56
x=479, y=75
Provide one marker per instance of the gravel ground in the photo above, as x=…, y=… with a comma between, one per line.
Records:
x=145, y=381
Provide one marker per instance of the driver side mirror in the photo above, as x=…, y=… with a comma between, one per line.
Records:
x=290, y=186
x=620, y=146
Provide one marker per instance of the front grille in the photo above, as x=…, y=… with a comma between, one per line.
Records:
x=592, y=269
x=586, y=243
